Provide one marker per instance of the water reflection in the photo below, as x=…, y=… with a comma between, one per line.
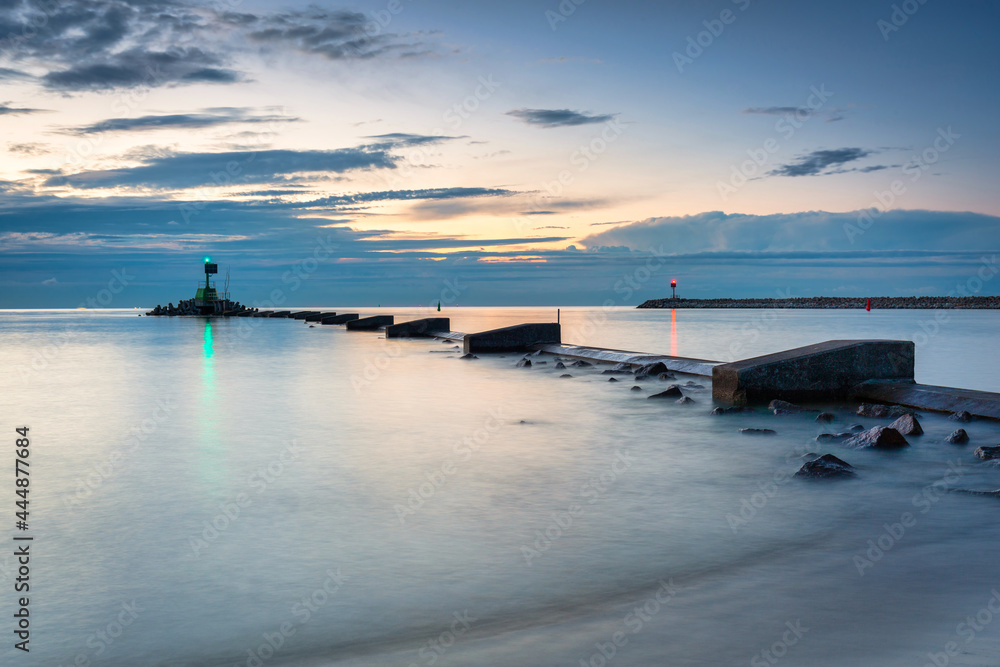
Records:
x=673, y=332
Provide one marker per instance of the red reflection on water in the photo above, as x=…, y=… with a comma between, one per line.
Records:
x=673, y=332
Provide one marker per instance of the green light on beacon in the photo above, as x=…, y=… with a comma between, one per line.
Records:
x=208, y=259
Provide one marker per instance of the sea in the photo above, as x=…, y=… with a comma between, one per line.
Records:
x=249, y=492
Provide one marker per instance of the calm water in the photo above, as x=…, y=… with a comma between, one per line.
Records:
x=258, y=492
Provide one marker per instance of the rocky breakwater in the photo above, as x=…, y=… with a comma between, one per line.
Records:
x=833, y=302
x=188, y=307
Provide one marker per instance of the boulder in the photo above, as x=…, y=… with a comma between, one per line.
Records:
x=612, y=379
x=827, y=466
x=988, y=453
x=825, y=417
x=560, y=365
x=957, y=437
x=684, y=400
x=882, y=411
x=758, y=431
x=833, y=437
x=666, y=376
x=580, y=363
x=654, y=368
x=780, y=407
x=622, y=368
x=613, y=371
x=730, y=410
x=468, y=356
x=960, y=416
x=565, y=375
x=673, y=391
x=907, y=425
x=879, y=437
x=636, y=388
x=524, y=363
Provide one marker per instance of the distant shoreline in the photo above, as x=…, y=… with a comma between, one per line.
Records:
x=834, y=302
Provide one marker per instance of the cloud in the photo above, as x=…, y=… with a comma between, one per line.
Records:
x=7, y=110
x=406, y=139
x=549, y=118
x=50, y=281
x=188, y=170
x=333, y=34
x=30, y=148
x=222, y=116
x=7, y=73
x=538, y=213
x=403, y=195
x=140, y=67
x=800, y=113
x=817, y=162
x=808, y=232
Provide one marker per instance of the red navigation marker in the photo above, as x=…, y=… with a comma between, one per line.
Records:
x=868, y=305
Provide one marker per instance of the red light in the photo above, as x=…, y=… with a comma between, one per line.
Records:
x=673, y=283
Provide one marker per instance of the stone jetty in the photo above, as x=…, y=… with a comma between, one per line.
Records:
x=836, y=302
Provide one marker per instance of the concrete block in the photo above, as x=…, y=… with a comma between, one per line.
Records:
x=415, y=328
x=367, y=323
x=343, y=318
x=316, y=317
x=983, y=404
x=517, y=338
x=816, y=372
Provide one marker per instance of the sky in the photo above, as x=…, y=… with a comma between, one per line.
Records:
x=573, y=152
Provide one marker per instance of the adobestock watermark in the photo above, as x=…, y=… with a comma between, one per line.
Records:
x=102, y=639
x=893, y=533
x=104, y=470
x=779, y=649
x=633, y=623
x=699, y=42
x=900, y=14
x=968, y=630
x=562, y=12
x=436, y=479
x=784, y=128
x=913, y=169
x=590, y=492
x=760, y=322
x=229, y=513
x=437, y=646
x=302, y=612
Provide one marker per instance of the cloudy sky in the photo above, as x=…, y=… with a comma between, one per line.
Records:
x=530, y=152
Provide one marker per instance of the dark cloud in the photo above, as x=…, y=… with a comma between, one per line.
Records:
x=818, y=162
x=29, y=149
x=406, y=139
x=403, y=195
x=549, y=118
x=139, y=67
x=800, y=113
x=188, y=170
x=7, y=73
x=333, y=34
x=7, y=110
x=538, y=213
x=189, y=121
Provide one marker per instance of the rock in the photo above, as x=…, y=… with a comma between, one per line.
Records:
x=612, y=379
x=655, y=368
x=684, y=400
x=524, y=363
x=565, y=375
x=882, y=411
x=636, y=388
x=540, y=363
x=856, y=427
x=833, y=437
x=673, y=391
x=780, y=407
x=581, y=364
x=879, y=437
x=622, y=368
x=560, y=365
x=907, y=425
x=468, y=356
x=825, y=417
x=988, y=453
x=730, y=410
x=758, y=431
x=960, y=416
x=827, y=466
x=612, y=371
x=693, y=385
x=666, y=376
x=957, y=437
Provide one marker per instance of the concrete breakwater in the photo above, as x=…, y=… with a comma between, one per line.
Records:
x=834, y=302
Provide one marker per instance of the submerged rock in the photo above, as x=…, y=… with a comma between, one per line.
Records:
x=565, y=375
x=580, y=363
x=524, y=363
x=758, y=431
x=957, y=437
x=636, y=388
x=907, y=425
x=856, y=427
x=882, y=411
x=960, y=416
x=833, y=437
x=666, y=376
x=730, y=410
x=825, y=467
x=655, y=368
x=825, y=417
x=468, y=356
x=622, y=367
x=787, y=407
x=988, y=453
x=684, y=400
x=560, y=365
x=673, y=391
x=612, y=379
x=612, y=371
x=879, y=437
